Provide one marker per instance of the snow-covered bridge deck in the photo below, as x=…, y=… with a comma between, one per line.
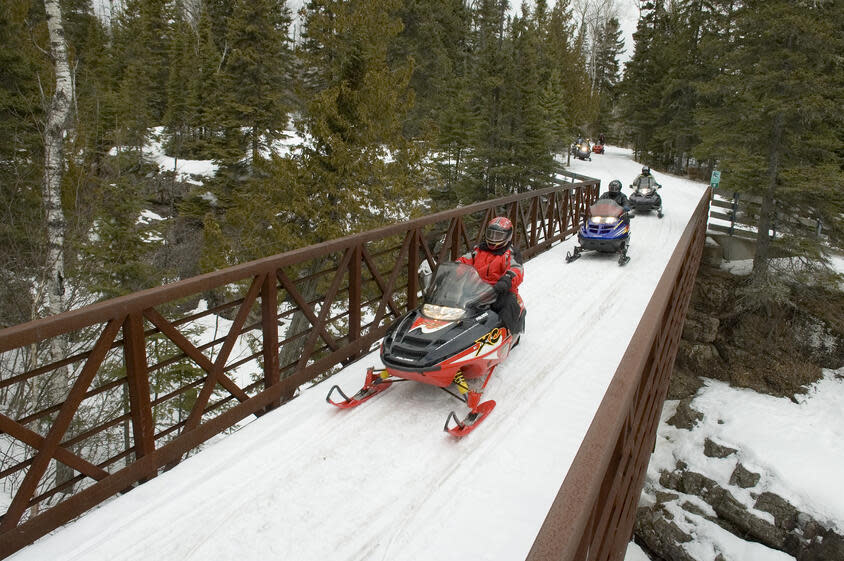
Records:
x=308, y=482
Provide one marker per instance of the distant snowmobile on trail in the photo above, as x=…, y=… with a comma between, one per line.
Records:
x=645, y=197
x=582, y=150
x=605, y=230
x=453, y=339
x=598, y=148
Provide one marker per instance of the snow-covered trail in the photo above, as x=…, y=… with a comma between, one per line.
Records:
x=309, y=482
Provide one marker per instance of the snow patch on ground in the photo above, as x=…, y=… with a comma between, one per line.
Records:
x=796, y=447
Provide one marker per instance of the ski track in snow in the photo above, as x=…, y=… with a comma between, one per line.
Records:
x=310, y=482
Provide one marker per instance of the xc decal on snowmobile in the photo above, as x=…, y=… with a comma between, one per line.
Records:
x=490, y=338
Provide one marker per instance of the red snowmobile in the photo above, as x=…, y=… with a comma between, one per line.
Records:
x=453, y=341
x=598, y=148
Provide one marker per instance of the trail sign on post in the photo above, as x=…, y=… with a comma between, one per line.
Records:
x=715, y=179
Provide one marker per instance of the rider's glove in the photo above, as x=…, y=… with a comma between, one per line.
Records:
x=503, y=285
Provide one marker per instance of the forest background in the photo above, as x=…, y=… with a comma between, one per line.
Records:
x=406, y=107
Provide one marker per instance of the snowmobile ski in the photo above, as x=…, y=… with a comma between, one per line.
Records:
x=376, y=382
x=476, y=416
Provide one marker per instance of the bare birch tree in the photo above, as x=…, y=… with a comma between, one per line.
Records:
x=58, y=117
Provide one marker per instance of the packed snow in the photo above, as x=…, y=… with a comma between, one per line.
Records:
x=309, y=482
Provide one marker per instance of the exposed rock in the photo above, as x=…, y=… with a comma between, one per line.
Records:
x=685, y=417
x=712, y=449
x=777, y=350
x=663, y=497
x=785, y=515
x=731, y=514
x=661, y=536
x=683, y=384
x=744, y=478
x=831, y=548
x=699, y=358
x=713, y=289
x=700, y=327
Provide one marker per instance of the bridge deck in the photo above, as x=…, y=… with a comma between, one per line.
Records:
x=309, y=482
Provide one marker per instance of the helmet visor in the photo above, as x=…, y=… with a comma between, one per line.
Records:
x=495, y=236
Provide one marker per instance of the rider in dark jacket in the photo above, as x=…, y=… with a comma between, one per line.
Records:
x=616, y=195
x=646, y=180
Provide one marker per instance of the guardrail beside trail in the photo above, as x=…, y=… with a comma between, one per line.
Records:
x=738, y=215
x=142, y=381
x=593, y=515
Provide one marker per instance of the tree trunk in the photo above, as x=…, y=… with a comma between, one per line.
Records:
x=57, y=119
x=763, y=236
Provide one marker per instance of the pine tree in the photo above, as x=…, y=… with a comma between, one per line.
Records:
x=181, y=114
x=608, y=72
x=22, y=68
x=256, y=70
x=642, y=80
x=142, y=43
x=773, y=120
x=435, y=37
x=488, y=81
x=530, y=134
x=562, y=45
x=355, y=170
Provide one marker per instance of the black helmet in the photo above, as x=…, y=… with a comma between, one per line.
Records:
x=615, y=186
x=499, y=231
x=646, y=170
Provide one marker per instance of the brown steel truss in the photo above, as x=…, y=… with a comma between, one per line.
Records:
x=592, y=517
x=141, y=351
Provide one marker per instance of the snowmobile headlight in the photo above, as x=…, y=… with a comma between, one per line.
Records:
x=645, y=191
x=603, y=219
x=442, y=313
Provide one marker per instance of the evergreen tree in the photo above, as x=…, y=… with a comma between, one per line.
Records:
x=642, y=80
x=488, y=82
x=142, y=42
x=435, y=36
x=773, y=119
x=181, y=114
x=530, y=134
x=607, y=72
x=22, y=68
x=256, y=71
x=562, y=45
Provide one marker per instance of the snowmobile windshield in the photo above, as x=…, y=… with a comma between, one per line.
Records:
x=605, y=208
x=646, y=184
x=456, y=288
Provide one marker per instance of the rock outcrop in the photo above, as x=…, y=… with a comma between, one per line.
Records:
x=778, y=351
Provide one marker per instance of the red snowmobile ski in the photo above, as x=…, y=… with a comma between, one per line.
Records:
x=452, y=340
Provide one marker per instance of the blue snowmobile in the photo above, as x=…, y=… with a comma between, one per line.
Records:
x=605, y=230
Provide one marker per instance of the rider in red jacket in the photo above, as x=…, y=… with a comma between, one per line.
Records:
x=500, y=264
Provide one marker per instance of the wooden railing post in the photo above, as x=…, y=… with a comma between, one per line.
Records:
x=137, y=376
x=269, y=333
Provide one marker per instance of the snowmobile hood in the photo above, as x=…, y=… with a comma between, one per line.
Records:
x=416, y=342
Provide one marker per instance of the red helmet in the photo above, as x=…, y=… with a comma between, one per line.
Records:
x=499, y=232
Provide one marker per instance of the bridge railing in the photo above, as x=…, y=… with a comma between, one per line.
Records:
x=593, y=514
x=98, y=399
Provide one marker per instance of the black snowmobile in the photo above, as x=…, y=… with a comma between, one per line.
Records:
x=645, y=197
